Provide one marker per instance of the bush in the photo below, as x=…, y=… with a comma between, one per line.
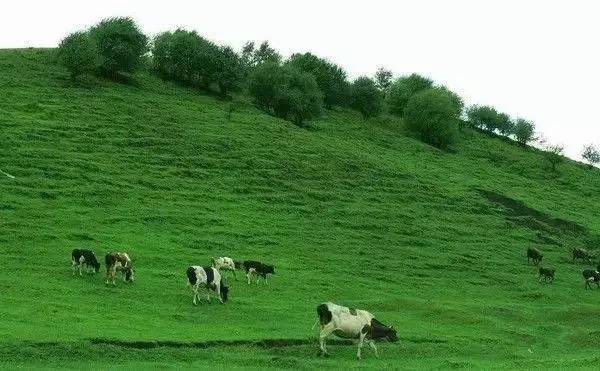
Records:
x=229, y=71
x=77, y=53
x=487, y=118
x=331, y=79
x=403, y=89
x=383, y=79
x=120, y=45
x=366, y=98
x=553, y=155
x=591, y=155
x=524, y=131
x=433, y=116
x=176, y=55
x=285, y=92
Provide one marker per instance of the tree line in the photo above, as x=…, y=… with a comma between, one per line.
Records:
x=297, y=89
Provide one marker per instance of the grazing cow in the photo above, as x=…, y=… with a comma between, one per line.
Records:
x=79, y=257
x=534, y=255
x=227, y=264
x=546, y=273
x=591, y=276
x=118, y=262
x=259, y=269
x=210, y=278
x=582, y=254
x=351, y=324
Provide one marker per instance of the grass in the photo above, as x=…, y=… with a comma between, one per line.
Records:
x=353, y=212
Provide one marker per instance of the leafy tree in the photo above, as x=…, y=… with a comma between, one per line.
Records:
x=300, y=99
x=331, y=79
x=176, y=54
x=120, y=44
x=554, y=155
x=77, y=53
x=524, y=131
x=487, y=118
x=264, y=84
x=248, y=54
x=265, y=53
x=591, y=155
x=433, y=116
x=365, y=97
x=403, y=89
x=383, y=78
x=229, y=71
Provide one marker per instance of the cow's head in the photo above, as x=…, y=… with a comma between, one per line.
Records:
x=391, y=334
x=269, y=269
x=129, y=274
x=224, y=291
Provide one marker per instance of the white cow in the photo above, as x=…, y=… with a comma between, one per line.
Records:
x=351, y=324
x=226, y=264
x=208, y=277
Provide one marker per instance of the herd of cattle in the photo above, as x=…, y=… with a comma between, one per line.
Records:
x=547, y=273
x=344, y=322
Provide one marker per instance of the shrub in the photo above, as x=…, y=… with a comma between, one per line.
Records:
x=524, y=131
x=77, y=53
x=331, y=79
x=553, y=155
x=591, y=155
x=229, y=71
x=264, y=83
x=433, y=116
x=120, y=45
x=403, y=89
x=365, y=97
x=176, y=55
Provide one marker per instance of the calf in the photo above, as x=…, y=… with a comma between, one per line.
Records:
x=534, y=255
x=259, y=269
x=208, y=277
x=591, y=276
x=582, y=254
x=118, y=262
x=225, y=263
x=351, y=324
x=81, y=257
x=546, y=274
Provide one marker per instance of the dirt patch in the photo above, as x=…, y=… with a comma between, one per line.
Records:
x=519, y=213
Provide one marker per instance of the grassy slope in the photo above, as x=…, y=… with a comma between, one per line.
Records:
x=352, y=212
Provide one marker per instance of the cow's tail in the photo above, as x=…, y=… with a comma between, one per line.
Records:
x=191, y=275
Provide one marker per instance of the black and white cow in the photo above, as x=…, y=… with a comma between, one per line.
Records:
x=351, y=324
x=81, y=257
x=118, y=262
x=209, y=278
x=534, y=255
x=591, y=276
x=582, y=254
x=259, y=269
x=226, y=264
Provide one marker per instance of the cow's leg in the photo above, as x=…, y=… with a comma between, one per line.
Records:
x=73, y=266
x=218, y=291
x=323, y=334
x=372, y=345
x=248, y=276
x=195, y=291
x=266, y=282
x=113, y=273
x=361, y=339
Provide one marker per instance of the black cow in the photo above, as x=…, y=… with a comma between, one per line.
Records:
x=534, y=255
x=259, y=269
x=582, y=254
x=591, y=276
x=546, y=274
x=81, y=257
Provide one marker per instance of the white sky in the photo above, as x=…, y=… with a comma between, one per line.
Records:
x=535, y=59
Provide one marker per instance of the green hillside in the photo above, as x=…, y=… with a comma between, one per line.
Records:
x=353, y=212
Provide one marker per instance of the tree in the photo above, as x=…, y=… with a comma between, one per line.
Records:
x=77, y=53
x=285, y=92
x=365, y=97
x=591, y=155
x=229, y=72
x=554, y=155
x=175, y=55
x=383, y=78
x=120, y=44
x=265, y=53
x=433, y=116
x=524, y=131
x=403, y=89
x=331, y=79
x=487, y=118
